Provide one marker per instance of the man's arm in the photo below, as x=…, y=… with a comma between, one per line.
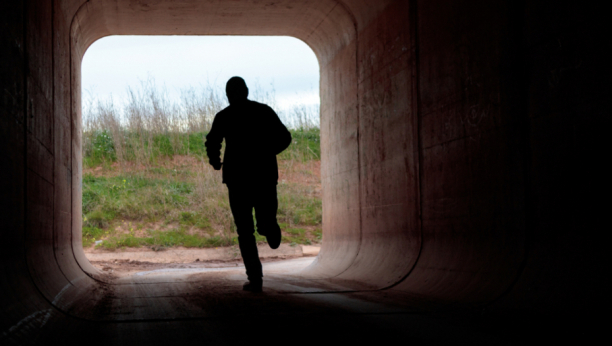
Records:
x=213, y=142
x=282, y=136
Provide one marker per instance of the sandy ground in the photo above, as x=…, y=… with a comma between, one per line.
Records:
x=120, y=269
x=130, y=261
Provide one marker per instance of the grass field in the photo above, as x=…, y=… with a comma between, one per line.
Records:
x=160, y=192
x=147, y=181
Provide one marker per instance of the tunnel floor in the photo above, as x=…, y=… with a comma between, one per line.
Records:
x=189, y=306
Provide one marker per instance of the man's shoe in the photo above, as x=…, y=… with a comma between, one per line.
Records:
x=273, y=236
x=252, y=286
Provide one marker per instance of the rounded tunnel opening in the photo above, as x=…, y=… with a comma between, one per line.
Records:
x=147, y=143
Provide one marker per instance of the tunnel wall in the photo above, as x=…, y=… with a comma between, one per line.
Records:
x=460, y=143
x=472, y=152
x=37, y=255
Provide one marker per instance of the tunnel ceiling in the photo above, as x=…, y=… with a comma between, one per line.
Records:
x=326, y=25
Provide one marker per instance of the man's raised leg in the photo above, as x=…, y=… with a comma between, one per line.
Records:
x=266, y=205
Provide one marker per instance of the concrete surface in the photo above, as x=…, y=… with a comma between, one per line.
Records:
x=463, y=147
x=310, y=250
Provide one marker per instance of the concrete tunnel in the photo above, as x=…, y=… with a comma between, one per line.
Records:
x=461, y=168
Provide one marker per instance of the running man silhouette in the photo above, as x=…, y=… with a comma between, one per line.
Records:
x=253, y=135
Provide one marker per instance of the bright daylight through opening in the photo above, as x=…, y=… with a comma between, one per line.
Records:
x=151, y=200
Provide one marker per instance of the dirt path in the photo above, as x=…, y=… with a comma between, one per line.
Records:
x=126, y=261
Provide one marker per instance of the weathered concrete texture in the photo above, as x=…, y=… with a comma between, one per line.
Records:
x=462, y=169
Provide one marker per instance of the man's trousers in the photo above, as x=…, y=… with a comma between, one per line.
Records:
x=243, y=199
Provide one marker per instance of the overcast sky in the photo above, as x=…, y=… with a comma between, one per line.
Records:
x=113, y=63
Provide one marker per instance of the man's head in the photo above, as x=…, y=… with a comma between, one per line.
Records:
x=236, y=90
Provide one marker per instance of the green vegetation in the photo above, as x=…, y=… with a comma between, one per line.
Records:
x=306, y=145
x=147, y=181
x=187, y=202
x=297, y=235
x=99, y=147
x=91, y=234
x=133, y=197
x=163, y=239
x=158, y=240
x=296, y=205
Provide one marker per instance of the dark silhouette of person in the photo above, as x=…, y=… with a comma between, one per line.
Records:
x=253, y=135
